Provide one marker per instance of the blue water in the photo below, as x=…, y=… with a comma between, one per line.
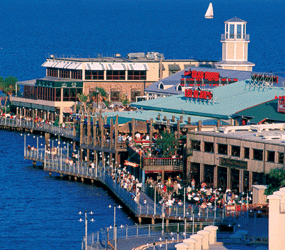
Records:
x=40, y=212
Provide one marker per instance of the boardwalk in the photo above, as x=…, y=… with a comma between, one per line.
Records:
x=23, y=124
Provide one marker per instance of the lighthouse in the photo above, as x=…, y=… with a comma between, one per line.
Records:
x=235, y=46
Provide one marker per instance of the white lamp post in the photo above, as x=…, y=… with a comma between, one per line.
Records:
x=115, y=226
x=86, y=226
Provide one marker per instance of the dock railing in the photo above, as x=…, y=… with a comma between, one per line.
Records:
x=39, y=126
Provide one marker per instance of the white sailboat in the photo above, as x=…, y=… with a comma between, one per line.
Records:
x=210, y=12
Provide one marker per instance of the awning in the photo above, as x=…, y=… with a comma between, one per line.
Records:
x=49, y=63
x=116, y=66
x=60, y=64
x=74, y=65
x=94, y=66
x=28, y=82
x=138, y=66
x=174, y=67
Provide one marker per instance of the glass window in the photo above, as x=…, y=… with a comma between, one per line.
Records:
x=258, y=154
x=281, y=158
x=223, y=149
x=209, y=147
x=239, y=31
x=246, y=153
x=58, y=94
x=94, y=74
x=270, y=156
x=236, y=151
x=136, y=75
x=196, y=145
x=232, y=31
x=115, y=75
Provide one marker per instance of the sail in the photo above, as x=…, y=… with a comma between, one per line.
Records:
x=210, y=12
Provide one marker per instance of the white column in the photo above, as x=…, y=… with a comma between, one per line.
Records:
x=199, y=239
x=213, y=234
x=205, y=241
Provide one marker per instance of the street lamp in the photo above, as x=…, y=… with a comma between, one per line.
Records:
x=86, y=225
x=115, y=226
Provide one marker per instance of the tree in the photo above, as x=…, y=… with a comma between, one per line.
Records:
x=167, y=143
x=8, y=86
x=277, y=180
x=83, y=100
x=125, y=100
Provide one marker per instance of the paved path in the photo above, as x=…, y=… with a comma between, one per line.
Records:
x=255, y=226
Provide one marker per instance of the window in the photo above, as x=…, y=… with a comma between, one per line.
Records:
x=270, y=156
x=236, y=151
x=94, y=74
x=134, y=94
x=70, y=94
x=115, y=75
x=196, y=145
x=246, y=153
x=209, y=147
x=136, y=75
x=281, y=158
x=232, y=31
x=58, y=94
x=258, y=154
x=76, y=74
x=179, y=88
x=239, y=31
x=161, y=86
x=223, y=149
x=64, y=73
x=52, y=72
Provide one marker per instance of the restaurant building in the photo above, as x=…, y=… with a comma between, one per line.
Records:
x=121, y=78
x=236, y=157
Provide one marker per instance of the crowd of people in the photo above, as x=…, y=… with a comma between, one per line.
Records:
x=200, y=196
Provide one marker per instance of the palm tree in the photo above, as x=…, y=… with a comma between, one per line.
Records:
x=8, y=86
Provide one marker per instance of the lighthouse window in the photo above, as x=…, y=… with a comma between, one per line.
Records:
x=232, y=31
x=239, y=31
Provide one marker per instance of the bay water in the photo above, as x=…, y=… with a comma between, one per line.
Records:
x=41, y=212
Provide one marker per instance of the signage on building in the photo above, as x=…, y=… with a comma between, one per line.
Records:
x=132, y=164
x=281, y=104
x=199, y=94
x=206, y=77
x=233, y=163
x=265, y=78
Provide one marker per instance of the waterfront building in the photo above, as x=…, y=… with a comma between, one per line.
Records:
x=235, y=157
x=120, y=77
x=235, y=46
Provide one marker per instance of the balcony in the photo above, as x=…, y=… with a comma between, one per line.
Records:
x=235, y=37
x=160, y=164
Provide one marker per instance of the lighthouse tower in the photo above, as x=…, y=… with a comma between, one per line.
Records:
x=235, y=46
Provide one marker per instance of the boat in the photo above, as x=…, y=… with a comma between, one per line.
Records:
x=209, y=13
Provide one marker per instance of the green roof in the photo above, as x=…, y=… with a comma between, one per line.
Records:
x=264, y=111
x=144, y=115
x=227, y=100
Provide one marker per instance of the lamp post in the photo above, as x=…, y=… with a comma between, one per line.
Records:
x=97, y=94
x=193, y=221
x=86, y=226
x=115, y=226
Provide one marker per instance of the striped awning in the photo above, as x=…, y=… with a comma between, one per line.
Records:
x=74, y=65
x=61, y=64
x=49, y=63
x=138, y=66
x=116, y=66
x=94, y=66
